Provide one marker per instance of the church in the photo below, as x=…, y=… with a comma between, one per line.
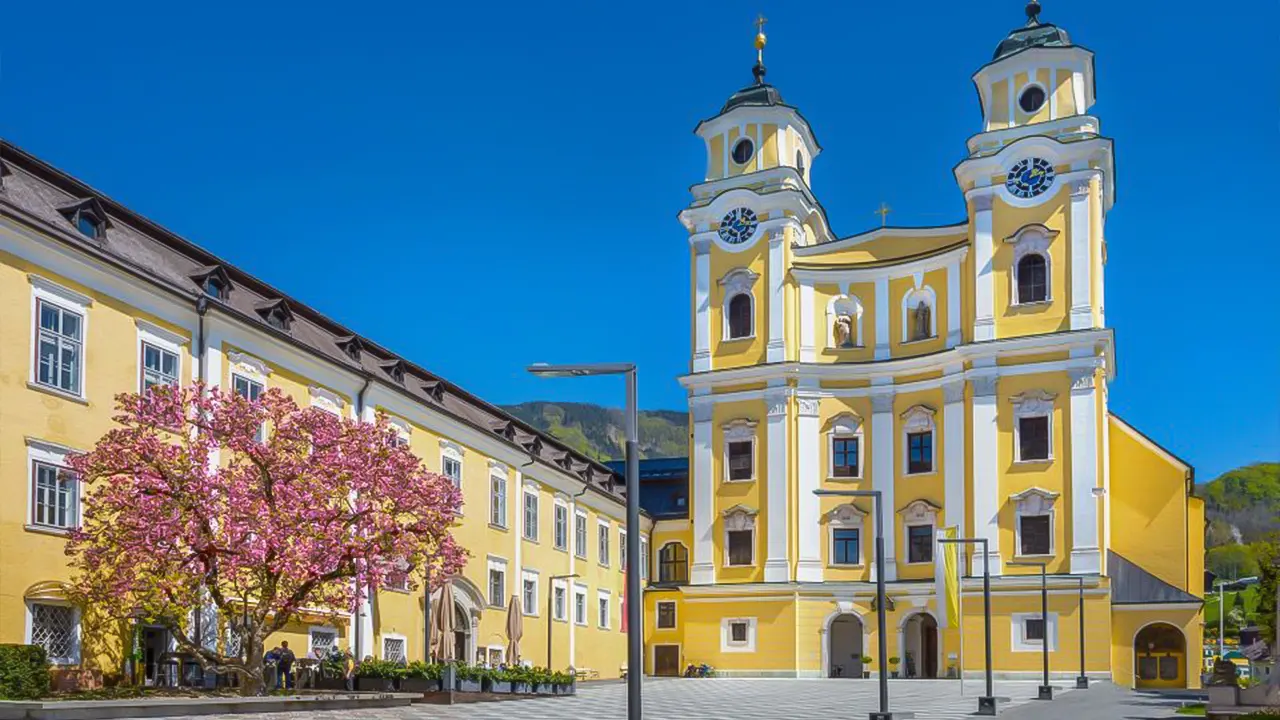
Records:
x=960, y=371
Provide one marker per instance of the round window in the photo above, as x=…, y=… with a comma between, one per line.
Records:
x=1032, y=99
x=743, y=151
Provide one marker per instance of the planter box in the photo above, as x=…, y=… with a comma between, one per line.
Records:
x=544, y=689
x=330, y=683
x=521, y=688
x=419, y=685
x=366, y=684
x=500, y=687
x=467, y=685
x=566, y=689
x=894, y=674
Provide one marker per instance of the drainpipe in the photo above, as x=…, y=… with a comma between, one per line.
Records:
x=368, y=380
x=202, y=307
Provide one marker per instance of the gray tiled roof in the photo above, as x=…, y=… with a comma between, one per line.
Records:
x=1132, y=585
x=33, y=192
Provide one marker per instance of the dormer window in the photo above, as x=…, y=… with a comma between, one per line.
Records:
x=88, y=217
x=214, y=288
x=276, y=314
x=212, y=281
x=351, y=347
x=278, y=319
x=88, y=225
x=394, y=370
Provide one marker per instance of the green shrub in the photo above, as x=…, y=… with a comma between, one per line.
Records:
x=374, y=668
x=423, y=670
x=561, y=678
x=24, y=672
x=471, y=672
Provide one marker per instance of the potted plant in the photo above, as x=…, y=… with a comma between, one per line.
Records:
x=866, y=666
x=377, y=675
x=893, y=666
x=563, y=683
x=498, y=681
x=469, y=677
x=421, y=677
x=332, y=674
x=521, y=680
x=540, y=678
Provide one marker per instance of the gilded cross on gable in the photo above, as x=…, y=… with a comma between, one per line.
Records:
x=760, y=21
x=883, y=211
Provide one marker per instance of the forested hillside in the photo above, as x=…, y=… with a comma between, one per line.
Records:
x=598, y=431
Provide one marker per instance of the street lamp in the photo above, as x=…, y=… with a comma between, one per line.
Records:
x=1046, y=690
x=986, y=703
x=1082, y=681
x=635, y=633
x=881, y=608
x=551, y=610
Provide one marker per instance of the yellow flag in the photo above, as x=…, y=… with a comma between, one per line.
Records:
x=951, y=575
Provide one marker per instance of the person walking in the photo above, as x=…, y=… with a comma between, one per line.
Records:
x=285, y=662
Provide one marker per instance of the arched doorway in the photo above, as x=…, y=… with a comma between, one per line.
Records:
x=844, y=653
x=1160, y=657
x=920, y=646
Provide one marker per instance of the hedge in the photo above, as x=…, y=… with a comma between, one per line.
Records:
x=24, y=672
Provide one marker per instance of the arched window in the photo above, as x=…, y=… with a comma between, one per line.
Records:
x=919, y=321
x=800, y=163
x=673, y=563
x=1033, y=279
x=740, y=316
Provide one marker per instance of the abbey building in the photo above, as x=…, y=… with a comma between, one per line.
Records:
x=961, y=371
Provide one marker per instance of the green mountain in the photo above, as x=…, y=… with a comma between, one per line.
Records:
x=599, y=432
x=1241, y=505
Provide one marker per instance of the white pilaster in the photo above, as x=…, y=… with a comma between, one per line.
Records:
x=809, y=510
x=808, y=341
x=882, y=318
x=883, y=462
x=702, y=306
x=986, y=470
x=1081, y=257
x=953, y=304
x=515, y=502
x=1085, y=557
x=777, y=566
x=777, y=347
x=568, y=588
x=984, y=318
x=703, y=567
x=953, y=458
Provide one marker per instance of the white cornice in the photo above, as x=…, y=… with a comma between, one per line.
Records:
x=977, y=172
x=1053, y=128
x=885, y=232
x=845, y=275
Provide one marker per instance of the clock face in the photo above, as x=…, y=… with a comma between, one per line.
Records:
x=738, y=225
x=1029, y=177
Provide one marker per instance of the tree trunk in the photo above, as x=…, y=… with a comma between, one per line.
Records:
x=251, y=683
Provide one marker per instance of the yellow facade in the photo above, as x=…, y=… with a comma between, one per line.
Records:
x=963, y=372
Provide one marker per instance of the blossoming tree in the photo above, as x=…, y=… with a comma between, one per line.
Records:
x=259, y=509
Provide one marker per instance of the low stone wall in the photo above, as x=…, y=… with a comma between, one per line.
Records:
x=160, y=707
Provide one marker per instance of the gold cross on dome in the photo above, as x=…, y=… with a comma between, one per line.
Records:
x=760, y=21
x=883, y=211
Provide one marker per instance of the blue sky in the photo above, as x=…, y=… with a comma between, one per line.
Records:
x=483, y=185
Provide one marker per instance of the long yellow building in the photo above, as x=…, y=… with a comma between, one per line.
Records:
x=96, y=300
x=962, y=371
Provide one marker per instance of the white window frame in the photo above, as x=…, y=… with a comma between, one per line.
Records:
x=739, y=518
x=604, y=619
x=916, y=514
x=404, y=643
x=845, y=426
x=580, y=593
x=910, y=301
x=644, y=558
x=1019, y=641
x=622, y=550
x=162, y=340
x=74, y=658
x=1035, y=502
x=919, y=419
x=560, y=588
x=580, y=539
x=530, y=531
x=252, y=371
x=739, y=430
x=603, y=530
x=47, y=453
x=334, y=404
x=728, y=644
x=852, y=307
x=738, y=281
x=66, y=300
x=529, y=576
x=497, y=495
x=560, y=525
x=314, y=630
x=1032, y=239
x=495, y=564
x=846, y=517
x=1031, y=404
x=675, y=615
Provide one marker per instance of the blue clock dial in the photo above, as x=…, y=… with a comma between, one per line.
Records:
x=738, y=226
x=1029, y=177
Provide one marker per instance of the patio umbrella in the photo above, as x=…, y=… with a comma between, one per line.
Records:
x=442, y=635
x=515, y=629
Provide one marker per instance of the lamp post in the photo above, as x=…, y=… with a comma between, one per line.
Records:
x=1082, y=680
x=986, y=703
x=551, y=608
x=881, y=608
x=635, y=634
x=1046, y=690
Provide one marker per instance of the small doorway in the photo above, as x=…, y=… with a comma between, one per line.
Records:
x=920, y=638
x=155, y=644
x=666, y=660
x=1160, y=657
x=845, y=647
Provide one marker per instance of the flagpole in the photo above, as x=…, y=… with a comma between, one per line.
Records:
x=960, y=620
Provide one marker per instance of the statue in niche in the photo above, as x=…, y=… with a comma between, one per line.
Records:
x=844, y=332
x=921, y=329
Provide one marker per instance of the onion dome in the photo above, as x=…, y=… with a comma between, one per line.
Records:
x=1033, y=34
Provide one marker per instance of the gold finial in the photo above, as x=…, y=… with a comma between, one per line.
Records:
x=883, y=211
x=761, y=40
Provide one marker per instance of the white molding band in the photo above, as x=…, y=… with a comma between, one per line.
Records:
x=1081, y=257
x=954, y=334
x=882, y=318
x=953, y=457
x=882, y=478
x=776, y=350
x=702, y=308
x=1086, y=559
x=702, y=569
x=777, y=566
x=984, y=317
x=808, y=445
x=986, y=471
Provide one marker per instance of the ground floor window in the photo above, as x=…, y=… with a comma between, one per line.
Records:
x=1036, y=534
x=844, y=546
x=393, y=649
x=920, y=543
x=666, y=615
x=54, y=628
x=740, y=550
